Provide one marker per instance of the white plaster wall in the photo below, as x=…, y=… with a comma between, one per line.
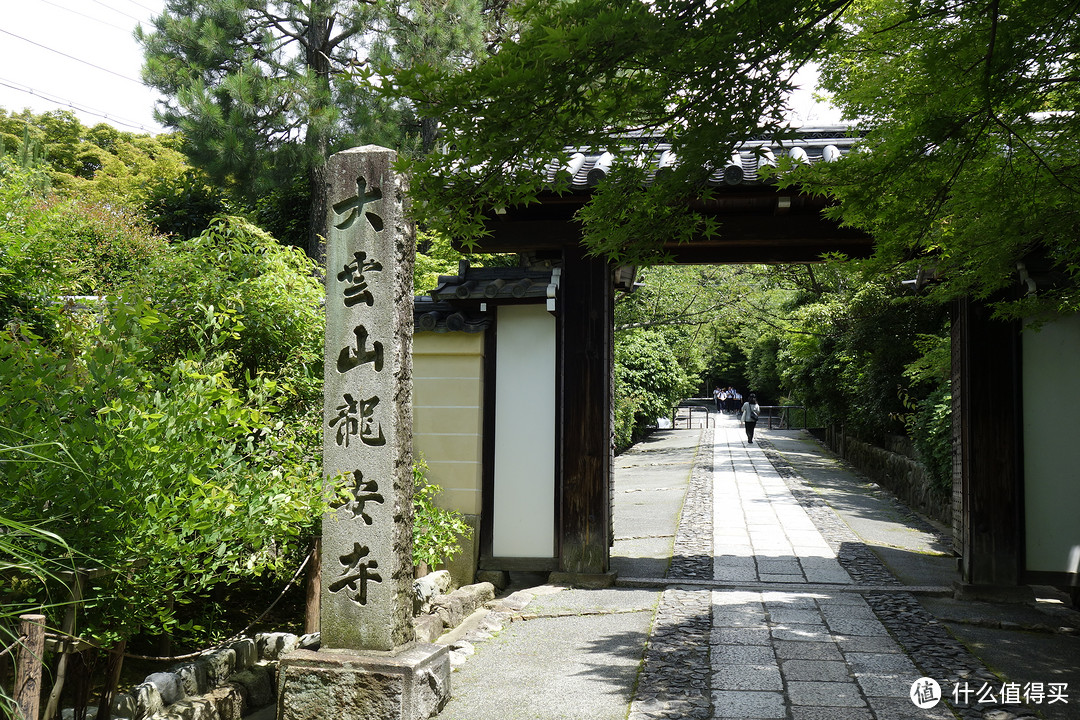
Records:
x=1051, y=427
x=523, y=521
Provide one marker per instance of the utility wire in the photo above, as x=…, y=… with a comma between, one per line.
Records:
x=148, y=9
x=110, y=7
x=88, y=17
x=74, y=106
x=72, y=57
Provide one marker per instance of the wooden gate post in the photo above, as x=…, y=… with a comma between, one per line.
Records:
x=28, y=666
x=584, y=365
x=986, y=362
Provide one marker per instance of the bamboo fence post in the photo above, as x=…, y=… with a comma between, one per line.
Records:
x=28, y=666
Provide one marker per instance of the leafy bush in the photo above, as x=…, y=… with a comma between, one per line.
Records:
x=273, y=291
x=437, y=533
x=649, y=381
x=930, y=422
x=20, y=286
x=930, y=427
x=183, y=206
x=845, y=348
x=174, y=478
x=54, y=246
x=31, y=560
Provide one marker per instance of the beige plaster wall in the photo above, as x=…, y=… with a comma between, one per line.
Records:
x=448, y=391
x=448, y=422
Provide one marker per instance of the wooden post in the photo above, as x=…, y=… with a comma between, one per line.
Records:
x=585, y=344
x=28, y=670
x=313, y=588
x=986, y=382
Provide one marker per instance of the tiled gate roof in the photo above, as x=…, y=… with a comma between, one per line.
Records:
x=588, y=166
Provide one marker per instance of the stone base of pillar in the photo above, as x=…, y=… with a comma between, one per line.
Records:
x=411, y=684
x=590, y=581
x=993, y=593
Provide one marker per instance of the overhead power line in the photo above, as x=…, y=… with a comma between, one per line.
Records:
x=110, y=7
x=72, y=57
x=148, y=9
x=60, y=102
x=88, y=17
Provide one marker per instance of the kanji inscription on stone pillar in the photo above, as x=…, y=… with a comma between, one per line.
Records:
x=367, y=571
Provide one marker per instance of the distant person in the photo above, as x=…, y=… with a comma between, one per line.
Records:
x=749, y=415
x=736, y=400
x=717, y=397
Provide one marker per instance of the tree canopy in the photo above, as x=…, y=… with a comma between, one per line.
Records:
x=265, y=90
x=590, y=72
x=969, y=109
x=253, y=85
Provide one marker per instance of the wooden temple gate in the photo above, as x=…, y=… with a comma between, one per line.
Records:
x=760, y=223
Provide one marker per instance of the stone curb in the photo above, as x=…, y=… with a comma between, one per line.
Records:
x=449, y=611
x=1010, y=625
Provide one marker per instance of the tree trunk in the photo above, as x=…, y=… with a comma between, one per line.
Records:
x=318, y=228
x=113, y=667
x=429, y=132
x=52, y=708
x=317, y=49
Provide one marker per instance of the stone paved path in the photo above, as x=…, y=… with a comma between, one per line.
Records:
x=802, y=619
x=784, y=654
x=771, y=608
x=760, y=532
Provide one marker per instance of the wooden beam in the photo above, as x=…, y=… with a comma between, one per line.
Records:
x=803, y=236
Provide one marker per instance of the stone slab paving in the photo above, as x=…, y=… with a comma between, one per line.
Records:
x=933, y=649
x=777, y=655
x=826, y=651
x=762, y=533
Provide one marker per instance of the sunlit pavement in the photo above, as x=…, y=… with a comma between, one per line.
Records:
x=742, y=593
x=783, y=653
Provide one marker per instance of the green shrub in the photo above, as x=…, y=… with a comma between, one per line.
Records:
x=173, y=477
x=273, y=291
x=930, y=428
x=437, y=533
x=649, y=381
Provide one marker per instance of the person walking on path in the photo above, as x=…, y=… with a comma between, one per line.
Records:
x=749, y=415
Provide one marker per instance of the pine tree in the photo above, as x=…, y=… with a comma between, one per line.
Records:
x=265, y=90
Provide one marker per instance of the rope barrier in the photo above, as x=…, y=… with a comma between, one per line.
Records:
x=155, y=658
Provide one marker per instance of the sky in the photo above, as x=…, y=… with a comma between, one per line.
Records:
x=78, y=55
x=81, y=55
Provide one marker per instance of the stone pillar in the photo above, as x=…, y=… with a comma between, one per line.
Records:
x=368, y=665
x=367, y=432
